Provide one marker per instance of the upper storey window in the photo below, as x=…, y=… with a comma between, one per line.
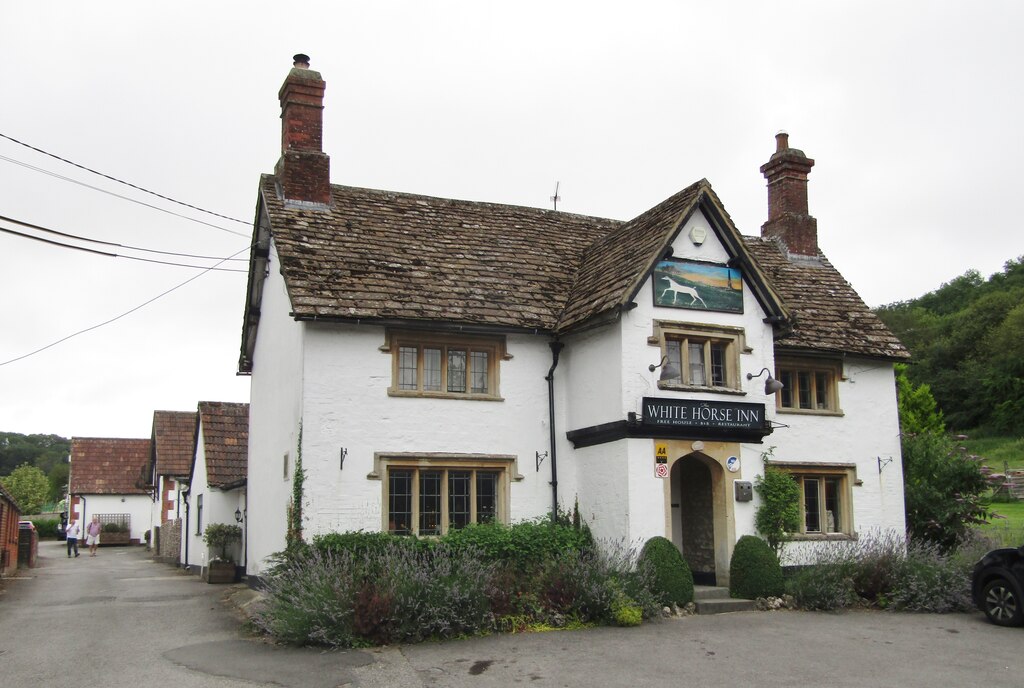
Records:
x=437, y=366
x=704, y=357
x=809, y=386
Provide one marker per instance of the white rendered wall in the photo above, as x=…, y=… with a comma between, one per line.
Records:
x=867, y=430
x=218, y=507
x=347, y=406
x=274, y=413
x=136, y=506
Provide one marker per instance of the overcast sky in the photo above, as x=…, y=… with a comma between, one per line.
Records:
x=912, y=111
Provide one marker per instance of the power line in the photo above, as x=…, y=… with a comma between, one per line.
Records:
x=116, y=318
x=122, y=197
x=111, y=243
x=115, y=255
x=119, y=181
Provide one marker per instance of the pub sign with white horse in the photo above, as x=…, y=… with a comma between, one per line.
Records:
x=698, y=286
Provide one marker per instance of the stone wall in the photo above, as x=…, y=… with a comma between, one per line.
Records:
x=169, y=549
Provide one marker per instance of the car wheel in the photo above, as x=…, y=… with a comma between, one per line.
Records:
x=1002, y=603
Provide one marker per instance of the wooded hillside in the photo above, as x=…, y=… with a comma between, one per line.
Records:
x=967, y=343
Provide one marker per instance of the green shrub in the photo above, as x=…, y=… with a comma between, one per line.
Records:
x=113, y=528
x=220, y=536
x=672, y=580
x=754, y=570
x=824, y=587
x=46, y=527
x=626, y=611
x=932, y=581
x=779, y=511
x=525, y=546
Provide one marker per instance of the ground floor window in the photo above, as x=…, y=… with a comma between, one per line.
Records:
x=432, y=493
x=826, y=497
x=431, y=500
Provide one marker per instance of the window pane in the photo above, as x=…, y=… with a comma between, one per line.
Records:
x=786, y=398
x=812, y=517
x=486, y=497
x=821, y=390
x=478, y=371
x=675, y=359
x=432, y=370
x=456, y=370
x=400, y=502
x=832, y=516
x=459, y=483
x=718, y=364
x=430, y=503
x=407, y=367
x=696, y=354
x=803, y=381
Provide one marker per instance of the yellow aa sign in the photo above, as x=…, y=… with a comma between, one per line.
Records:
x=661, y=452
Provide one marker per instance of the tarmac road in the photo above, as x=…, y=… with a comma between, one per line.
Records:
x=120, y=620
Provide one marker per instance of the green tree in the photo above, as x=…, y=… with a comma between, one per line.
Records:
x=58, y=479
x=944, y=489
x=917, y=407
x=779, y=512
x=29, y=487
x=42, y=451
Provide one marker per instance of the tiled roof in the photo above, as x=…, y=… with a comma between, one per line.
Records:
x=390, y=257
x=101, y=465
x=174, y=440
x=225, y=429
x=382, y=255
x=829, y=315
x=615, y=262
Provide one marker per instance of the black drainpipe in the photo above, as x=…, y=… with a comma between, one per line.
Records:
x=185, y=534
x=556, y=348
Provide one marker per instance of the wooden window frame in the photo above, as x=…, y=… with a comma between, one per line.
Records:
x=846, y=474
x=494, y=347
x=504, y=466
x=788, y=370
x=732, y=338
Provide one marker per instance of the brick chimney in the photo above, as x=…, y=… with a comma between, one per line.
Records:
x=788, y=219
x=304, y=171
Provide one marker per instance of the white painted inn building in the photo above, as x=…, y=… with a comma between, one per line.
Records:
x=450, y=362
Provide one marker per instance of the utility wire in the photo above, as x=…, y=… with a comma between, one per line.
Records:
x=122, y=197
x=118, y=317
x=111, y=243
x=119, y=181
x=116, y=255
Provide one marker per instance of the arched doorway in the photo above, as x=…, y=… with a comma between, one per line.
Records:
x=693, y=487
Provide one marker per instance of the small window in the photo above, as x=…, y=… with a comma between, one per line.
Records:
x=431, y=366
x=427, y=500
x=285, y=464
x=703, y=357
x=199, y=514
x=808, y=387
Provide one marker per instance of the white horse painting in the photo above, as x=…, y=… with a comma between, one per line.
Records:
x=678, y=289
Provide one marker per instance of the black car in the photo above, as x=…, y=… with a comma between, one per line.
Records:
x=997, y=586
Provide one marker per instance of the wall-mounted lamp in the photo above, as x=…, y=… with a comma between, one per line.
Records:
x=771, y=385
x=668, y=370
x=238, y=515
x=342, y=453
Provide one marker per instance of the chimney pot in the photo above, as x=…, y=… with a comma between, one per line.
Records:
x=301, y=61
x=781, y=141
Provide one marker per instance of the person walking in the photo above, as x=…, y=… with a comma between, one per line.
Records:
x=74, y=530
x=92, y=535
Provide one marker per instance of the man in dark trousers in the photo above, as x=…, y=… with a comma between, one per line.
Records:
x=74, y=530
